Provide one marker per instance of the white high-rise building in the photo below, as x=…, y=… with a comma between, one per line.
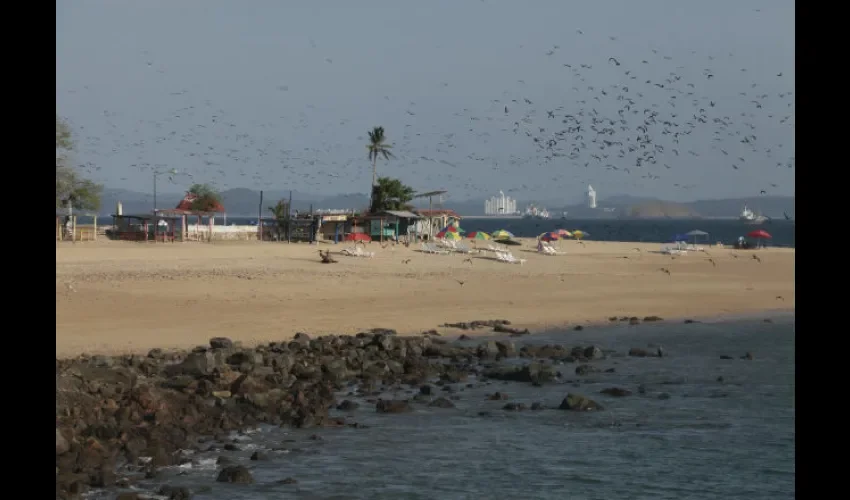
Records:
x=500, y=205
x=591, y=197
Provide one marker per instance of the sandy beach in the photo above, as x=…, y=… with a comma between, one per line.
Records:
x=114, y=297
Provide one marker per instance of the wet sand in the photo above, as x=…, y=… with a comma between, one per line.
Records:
x=114, y=297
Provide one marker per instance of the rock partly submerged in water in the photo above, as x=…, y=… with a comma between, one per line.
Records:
x=112, y=409
x=392, y=406
x=616, y=392
x=536, y=373
x=235, y=474
x=577, y=402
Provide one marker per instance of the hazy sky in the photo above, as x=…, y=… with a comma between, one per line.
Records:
x=271, y=94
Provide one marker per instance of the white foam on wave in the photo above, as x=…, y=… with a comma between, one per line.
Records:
x=206, y=464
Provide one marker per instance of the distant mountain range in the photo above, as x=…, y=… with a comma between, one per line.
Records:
x=241, y=202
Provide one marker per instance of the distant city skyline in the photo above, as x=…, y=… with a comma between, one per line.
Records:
x=684, y=103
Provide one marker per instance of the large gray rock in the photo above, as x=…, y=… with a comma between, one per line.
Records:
x=62, y=445
x=507, y=349
x=335, y=370
x=197, y=364
x=535, y=373
x=577, y=402
x=585, y=369
x=593, y=352
x=487, y=350
x=392, y=406
x=221, y=343
x=235, y=474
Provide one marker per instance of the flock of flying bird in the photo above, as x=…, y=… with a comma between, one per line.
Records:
x=652, y=118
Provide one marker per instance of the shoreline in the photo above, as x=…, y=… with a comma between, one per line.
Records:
x=119, y=419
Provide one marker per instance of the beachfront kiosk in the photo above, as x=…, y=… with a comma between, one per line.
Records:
x=67, y=229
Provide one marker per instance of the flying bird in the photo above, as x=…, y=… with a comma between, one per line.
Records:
x=459, y=282
x=616, y=62
x=665, y=270
x=756, y=258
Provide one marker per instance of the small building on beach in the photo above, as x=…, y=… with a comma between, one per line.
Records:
x=432, y=221
x=389, y=224
x=67, y=228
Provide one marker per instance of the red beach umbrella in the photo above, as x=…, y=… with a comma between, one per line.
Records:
x=357, y=237
x=759, y=234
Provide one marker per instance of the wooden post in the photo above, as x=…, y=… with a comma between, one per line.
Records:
x=145, y=229
x=210, y=221
x=183, y=227
x=74, y=228
x=94, y=235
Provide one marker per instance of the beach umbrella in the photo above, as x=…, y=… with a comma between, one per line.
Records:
x=579, y=234
x=549, y=236
x=478, y=235
x=696, y=232
x=563, y=233
x=452, y=229
x=448, y=236
x=501, y=234
x=759, y=234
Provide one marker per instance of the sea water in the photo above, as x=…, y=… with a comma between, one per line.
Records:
x=648, y=231
x=685, y=432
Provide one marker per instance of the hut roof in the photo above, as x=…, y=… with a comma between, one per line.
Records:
x=404, y=214
x=436, y=212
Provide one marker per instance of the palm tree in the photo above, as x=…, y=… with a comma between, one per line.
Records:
x=377, y=147
x=281, y=217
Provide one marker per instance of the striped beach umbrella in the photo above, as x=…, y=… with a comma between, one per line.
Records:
x=563, y=233
x=549, y=236
x=501, y=234
x=448, y=235
x=478, y=235
x=579, y=234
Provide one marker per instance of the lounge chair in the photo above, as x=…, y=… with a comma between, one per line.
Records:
x=462, y=248
x=357, y=252
x=673, y=251
x=433, y=248
x=509, y=258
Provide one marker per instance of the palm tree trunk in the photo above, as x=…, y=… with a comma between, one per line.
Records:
x=374, y=179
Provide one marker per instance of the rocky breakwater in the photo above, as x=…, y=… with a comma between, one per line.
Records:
x=134, y=413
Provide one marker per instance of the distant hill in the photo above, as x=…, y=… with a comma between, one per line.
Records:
x=246, y=202
x=657, y=208
x=237, y=201
x=771, y=206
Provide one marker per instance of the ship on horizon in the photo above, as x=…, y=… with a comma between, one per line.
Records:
x=749, y=217
x=533, y=212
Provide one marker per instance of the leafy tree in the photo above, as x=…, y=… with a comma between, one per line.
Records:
x=281, y=216
x=377, y=147
x=207, y=199
x=390, y=194
x=71, y=188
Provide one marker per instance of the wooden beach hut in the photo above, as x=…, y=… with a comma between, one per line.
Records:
x=67, y=228
x=434, y=220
